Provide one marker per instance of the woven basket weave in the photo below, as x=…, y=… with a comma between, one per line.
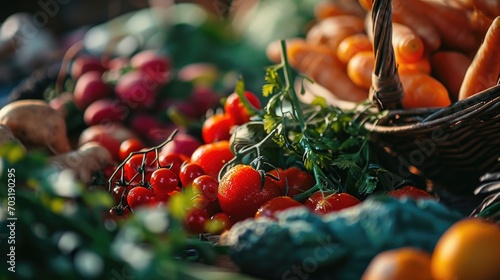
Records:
x=452, y=146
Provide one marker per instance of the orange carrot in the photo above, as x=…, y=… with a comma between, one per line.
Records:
x=326, y=9
x=451, y=23
x=352, y=45
x=322, y=65
x=423, y=91
x=331, y=31
x=480, y=22
x=404, y=12
x=449, y=68
x=273, y=50
x=408, y=47
x=366, y=4
x=360, y=69
x=420, y=66
x=484, y=70
x=490, y=8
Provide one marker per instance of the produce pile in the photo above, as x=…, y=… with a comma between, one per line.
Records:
x=149, y=164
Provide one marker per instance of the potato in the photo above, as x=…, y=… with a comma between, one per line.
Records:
x=36, y=125
x=89, y=158
x=6, y=136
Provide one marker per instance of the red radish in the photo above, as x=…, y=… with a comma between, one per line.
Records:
x=182, y=143
x=153, y=64
x=150, y=128
x=137, y=90
x=104, y=111
x=118, y=63
x=109, y=135
x=199, y=73
x=89, y=88
x=84, y=64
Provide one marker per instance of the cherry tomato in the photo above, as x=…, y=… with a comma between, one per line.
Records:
x=410, y=191
x=139, y=196
x=128, y=146
x=235, y=109
x=218, y=223
x=190, y=171
x=118, y=192
x=241, y=192
x=136, y=164
x=323, y=203
x=206, y=185
x=195, y=220
x=200, y=201
x=173, y=162
x=216, y=128
x=164, y=180
x=118, y=213
x=276, y=205
x=212, y=157
x=293, y=180
x=161, y=198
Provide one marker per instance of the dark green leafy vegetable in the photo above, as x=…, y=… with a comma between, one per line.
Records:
x=339, y=245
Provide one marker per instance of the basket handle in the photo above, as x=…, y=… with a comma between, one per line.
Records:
x=386, y=90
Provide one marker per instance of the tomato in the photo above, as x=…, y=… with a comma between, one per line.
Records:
x=241, y=192
x=136, y=164
x=218, y=223
x=128, y=146
x=139, y=196
x=119, y=192
x=298, y=181
x=410, y=191
x=235, y=109
x=200, y=201
x=212, y=157
x=206, y=185
x=161, y=198
x=195, y=220
x=164, y=180
x=323, y=203
x=173, y=162
x=118, y=213
x=275, y=205
x=216, y=128
x=189, y=172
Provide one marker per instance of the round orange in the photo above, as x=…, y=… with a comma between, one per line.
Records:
x=406, y=263
x=470, y=249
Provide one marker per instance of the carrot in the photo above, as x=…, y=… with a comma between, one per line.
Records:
x=366, y=4
x=326, y=9
x=484, y=70
x=331, y=31
x=451, y=23
x=423, y=91
x=480, y=22
x=491, y=8
x=273, y=50
x=360, y=69
x=321, y=64
x=449, y=68
x=404, y=12
x=408, y=47
x=352, y=45
x=420, y=66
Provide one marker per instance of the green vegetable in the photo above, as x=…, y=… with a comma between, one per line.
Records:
x=338, y=245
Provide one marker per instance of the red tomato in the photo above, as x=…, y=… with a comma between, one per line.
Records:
x=206, y=185
x=136, y=164
x=235, y=109
x=241, y=192
x=216, y=128
x=128, y=146
x=172, y=162
x=139, y=196
x=212, y=157
x=323, y=203
x=298, y=181
x=118, y=213
x=410, y=191
x=218, y=223
x=275, y=205
x=195, y=220
x=119, y=192
x=163, y=180
x=189, y=172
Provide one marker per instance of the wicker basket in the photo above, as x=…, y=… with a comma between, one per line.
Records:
x=452, y=146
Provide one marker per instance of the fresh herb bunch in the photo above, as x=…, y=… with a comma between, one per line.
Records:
x=330, y=142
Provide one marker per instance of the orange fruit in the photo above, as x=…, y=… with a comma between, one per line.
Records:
x=470, y=249
x=406, y=263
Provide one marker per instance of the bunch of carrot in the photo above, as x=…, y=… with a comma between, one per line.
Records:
x=445, y=50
